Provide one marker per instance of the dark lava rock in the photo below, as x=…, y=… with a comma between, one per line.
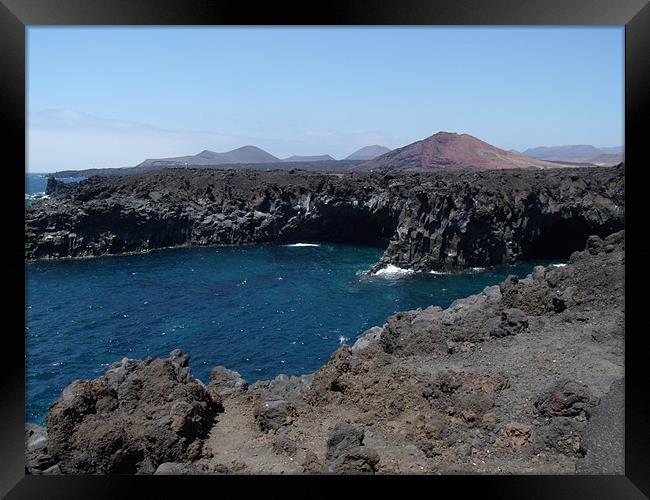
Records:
x=283, y=445
x=562, y=434
x=35, y=437
x=357, y=460
x=276, y=400
x=346, y=453
x=225, y=382
x=330, y=382
x=270, y=415
x=396, y=332
x=446, y=221
x=37, y=457
x=428, y=432
x=311, y=464
x=175, y=469
x=367, y=338
x=139, y=415
x=482, y=223
x=513, y=322
x=343, y=437
x=188, y=468
x=566, y=398
x=517, y=434
x=283, y=387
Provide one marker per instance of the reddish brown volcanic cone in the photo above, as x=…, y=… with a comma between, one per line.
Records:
x=450, y=151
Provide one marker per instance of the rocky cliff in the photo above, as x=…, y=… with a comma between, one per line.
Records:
x=525, y=377
x=444, y=221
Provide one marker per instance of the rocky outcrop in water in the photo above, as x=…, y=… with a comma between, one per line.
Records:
x=517, y=379
x=445, y=221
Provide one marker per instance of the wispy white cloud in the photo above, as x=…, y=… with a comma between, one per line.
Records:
x=58, y=139
x=64, y=139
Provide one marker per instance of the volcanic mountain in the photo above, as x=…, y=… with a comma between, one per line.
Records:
x=368, y=153
x=451, y=151
x=245, y=154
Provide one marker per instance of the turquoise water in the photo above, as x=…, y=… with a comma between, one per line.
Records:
x=260, y=310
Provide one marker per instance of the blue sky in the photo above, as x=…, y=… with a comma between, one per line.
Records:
x=108, y=97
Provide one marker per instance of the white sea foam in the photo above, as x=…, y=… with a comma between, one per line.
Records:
x=440, y=273
x=342, y=339
x=36, y=196
x=303, y=245
x=558, y=265
x=391, y=271
x=477, y=269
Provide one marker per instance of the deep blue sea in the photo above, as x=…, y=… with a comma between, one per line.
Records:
x=35, y=183
x=261, y=310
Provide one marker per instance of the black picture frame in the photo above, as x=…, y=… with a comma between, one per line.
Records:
x=17, y=15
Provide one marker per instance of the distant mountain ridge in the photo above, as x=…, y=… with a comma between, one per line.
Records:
x=245, y=154
x=298, y=158
x=368, y=153
x=567, y=152
x=443, y=150
x=253, y=154
x=246, y=157
x=451, y=151
x=582, y=153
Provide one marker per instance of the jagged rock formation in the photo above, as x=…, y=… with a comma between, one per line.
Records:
x=322, y=165
x=444, y=221
x=431, y=391
x=139, y=415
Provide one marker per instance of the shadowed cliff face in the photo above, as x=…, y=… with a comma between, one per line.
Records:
x=440, y=221
x=500, y=217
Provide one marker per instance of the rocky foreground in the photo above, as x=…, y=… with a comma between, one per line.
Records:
x=445, y=221
x=525, y=377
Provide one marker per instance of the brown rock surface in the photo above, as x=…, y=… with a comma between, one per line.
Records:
x=138, y=416
x=448, y=150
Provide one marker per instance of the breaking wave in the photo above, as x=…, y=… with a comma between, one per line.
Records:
x=391, y=271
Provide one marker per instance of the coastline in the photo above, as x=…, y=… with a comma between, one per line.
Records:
x=430, y=392
x=440, y=222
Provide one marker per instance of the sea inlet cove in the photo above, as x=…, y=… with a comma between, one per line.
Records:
x=290, y=321
x=324, y=251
